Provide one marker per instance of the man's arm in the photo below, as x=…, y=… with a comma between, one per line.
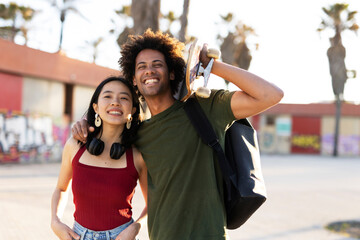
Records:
x=256, y=94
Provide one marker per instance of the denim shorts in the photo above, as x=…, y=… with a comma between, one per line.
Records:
x=87, y=234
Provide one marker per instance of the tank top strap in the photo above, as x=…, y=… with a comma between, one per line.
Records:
x=79, y=154
x=130, y=160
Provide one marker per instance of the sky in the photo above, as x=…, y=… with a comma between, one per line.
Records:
x=290, y=54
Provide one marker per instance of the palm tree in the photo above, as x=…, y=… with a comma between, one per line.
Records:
x=12, y=12
x=234, y=47
x=145, y=14
x=64, y=7
x=338, y=18
x=242, y=52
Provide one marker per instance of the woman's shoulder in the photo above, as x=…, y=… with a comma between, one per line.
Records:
x=72, y=146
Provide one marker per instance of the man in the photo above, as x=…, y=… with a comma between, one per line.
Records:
x=184, y=178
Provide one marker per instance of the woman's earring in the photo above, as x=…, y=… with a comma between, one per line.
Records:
x=128, y=123
x=97, y=120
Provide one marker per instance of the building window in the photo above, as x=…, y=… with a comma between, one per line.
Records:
x=69, y=88
x=270, y=120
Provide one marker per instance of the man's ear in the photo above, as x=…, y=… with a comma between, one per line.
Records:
x=172, y=76
x=134, y=82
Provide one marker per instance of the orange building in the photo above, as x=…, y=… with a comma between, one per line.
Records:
x=309, y=129
x=42, y=93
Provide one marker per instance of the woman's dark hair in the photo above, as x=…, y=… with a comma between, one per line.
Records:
x=128, y=135
x=170, y=47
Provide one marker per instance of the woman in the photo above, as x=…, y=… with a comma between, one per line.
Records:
x=105, y=170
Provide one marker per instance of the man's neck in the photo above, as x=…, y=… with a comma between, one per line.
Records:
x=159, y=104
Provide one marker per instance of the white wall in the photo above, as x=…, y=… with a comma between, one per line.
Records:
x=43, y=97
x=81, y=100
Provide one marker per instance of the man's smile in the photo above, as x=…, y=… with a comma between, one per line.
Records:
x=151, y=81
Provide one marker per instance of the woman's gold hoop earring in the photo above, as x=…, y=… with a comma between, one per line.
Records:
x=128, y=123
x=97, y=120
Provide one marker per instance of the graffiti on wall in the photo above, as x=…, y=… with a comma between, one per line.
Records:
x=306, y=141
x=30, y=138
x=347, y=145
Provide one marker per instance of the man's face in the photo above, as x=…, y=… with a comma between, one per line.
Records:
x=151, y=73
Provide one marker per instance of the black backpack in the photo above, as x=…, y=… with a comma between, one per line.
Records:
x=244, y=188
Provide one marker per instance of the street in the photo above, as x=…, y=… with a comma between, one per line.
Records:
x=304, y=194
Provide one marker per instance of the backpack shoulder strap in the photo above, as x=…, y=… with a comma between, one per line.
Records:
x=208, y=135
x=200, y=122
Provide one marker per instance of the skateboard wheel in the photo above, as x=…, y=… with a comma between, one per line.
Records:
x=203, y=92
x=213, y=53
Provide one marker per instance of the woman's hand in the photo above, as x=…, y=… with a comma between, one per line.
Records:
x=62, y=231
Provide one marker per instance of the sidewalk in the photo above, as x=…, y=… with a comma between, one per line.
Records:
x=304, y=194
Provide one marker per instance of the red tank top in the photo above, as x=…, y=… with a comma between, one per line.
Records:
x=102, y=196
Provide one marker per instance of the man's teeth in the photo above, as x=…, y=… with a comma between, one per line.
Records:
x=148, y=81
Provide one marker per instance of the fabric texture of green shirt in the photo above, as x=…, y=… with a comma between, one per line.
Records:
x=184, y=178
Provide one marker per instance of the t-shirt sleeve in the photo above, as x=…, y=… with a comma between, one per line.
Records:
x=218, y=108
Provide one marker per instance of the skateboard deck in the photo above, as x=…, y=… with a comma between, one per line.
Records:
x=191, y=57
x=194, y=70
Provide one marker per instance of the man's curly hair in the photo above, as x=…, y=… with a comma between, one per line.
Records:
x=170, y=47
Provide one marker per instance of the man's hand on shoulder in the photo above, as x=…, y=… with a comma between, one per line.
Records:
x=81, y=129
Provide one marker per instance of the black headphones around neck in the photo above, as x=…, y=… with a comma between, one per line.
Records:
x=96, y=147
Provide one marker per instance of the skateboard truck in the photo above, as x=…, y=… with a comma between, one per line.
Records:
x=203, y=91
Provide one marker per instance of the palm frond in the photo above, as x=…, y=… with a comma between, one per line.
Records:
x=354, y=27
x=228, y=17
x=351, y=15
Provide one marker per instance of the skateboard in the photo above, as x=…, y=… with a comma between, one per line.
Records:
x=194, y=69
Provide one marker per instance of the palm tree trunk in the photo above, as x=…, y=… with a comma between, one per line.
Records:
x=61, y=36
x=243, y=56
x=13, y=31
x=62, y=20
x=146, y=14
x=337, y=124
x=184, y=21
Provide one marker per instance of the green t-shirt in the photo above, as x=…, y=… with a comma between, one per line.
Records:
x=183, y=173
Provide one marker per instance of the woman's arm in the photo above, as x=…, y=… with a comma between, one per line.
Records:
x=59, y=197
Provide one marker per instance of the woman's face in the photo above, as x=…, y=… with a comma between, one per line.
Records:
x=114, y=103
